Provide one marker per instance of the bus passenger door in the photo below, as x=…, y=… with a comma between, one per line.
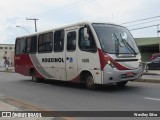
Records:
x=71, y=54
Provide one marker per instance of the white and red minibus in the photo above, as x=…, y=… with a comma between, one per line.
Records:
x=87, y=52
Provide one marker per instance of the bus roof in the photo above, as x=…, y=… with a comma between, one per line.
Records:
x=64, y=27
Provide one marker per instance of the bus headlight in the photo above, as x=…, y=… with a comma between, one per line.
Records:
x=111, y=64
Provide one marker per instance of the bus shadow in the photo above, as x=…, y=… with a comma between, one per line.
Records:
x=116, y=88
x=100, y=88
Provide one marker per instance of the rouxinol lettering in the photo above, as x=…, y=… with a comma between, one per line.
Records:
x=52, y=60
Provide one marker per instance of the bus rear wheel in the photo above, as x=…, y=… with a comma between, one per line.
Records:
x=34, y=78
x=89, y=82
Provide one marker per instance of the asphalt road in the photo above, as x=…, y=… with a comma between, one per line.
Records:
x=60, y=96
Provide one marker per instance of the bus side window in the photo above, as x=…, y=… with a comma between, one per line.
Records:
x=31, y=45
x=48, y=42
x=59, y=41
x=71, y=41
x=28, y=44
x=20, y=45
x=45, y=42
x=86, y=45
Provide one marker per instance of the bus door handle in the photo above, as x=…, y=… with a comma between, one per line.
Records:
x=70, y=67
x=53, y=67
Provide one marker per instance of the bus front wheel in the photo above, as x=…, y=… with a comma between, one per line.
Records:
x=90, y=82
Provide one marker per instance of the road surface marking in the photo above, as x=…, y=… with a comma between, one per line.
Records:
x=149, y=98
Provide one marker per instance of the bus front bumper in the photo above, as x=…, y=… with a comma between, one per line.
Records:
x=113, y=75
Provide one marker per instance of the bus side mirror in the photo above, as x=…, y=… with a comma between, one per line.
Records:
x=86, y=35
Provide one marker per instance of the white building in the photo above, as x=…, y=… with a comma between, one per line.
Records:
x=7, y=50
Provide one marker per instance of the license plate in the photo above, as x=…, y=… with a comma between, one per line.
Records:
x=130, y=74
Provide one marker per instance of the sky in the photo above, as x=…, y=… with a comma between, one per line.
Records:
x=55, y=13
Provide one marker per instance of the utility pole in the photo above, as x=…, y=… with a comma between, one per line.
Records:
x=34, y=22
x=158, y=30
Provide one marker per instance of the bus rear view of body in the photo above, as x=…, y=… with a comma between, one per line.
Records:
x=90, y=53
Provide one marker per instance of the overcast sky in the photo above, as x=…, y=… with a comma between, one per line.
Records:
x=54, y=13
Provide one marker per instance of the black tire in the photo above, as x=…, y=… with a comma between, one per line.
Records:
x=89, y=82
x=122, y=84
x=34, y=78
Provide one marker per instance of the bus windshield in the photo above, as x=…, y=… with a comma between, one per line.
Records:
x=115, y=39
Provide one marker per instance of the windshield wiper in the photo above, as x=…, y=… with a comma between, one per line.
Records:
x=117, y=44
x=128, y=45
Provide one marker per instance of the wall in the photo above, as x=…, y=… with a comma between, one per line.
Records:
x=6, y=50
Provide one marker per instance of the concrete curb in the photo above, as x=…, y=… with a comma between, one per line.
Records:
x=7, y=71
x=12, y=104
x=147, y=81
x=151, y=74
